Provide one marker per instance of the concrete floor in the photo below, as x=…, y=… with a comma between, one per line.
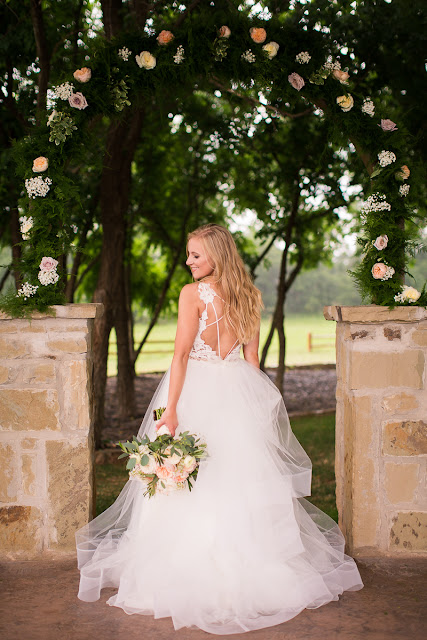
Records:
x=38, y=601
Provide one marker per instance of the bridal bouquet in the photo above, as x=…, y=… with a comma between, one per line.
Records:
x=166, y=463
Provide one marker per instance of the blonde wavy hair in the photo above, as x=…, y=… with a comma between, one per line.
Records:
x=242, y=300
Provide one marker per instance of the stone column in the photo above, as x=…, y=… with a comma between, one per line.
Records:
x=47, y=488
x=381, y=428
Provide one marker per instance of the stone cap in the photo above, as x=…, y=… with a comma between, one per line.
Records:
x=374, y=313
x=71, y=311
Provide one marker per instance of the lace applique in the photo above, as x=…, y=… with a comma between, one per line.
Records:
x=200, y=350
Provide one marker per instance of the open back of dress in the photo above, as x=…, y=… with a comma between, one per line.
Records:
x=214, y=339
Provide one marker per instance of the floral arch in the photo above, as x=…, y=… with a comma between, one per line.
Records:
x=280, y=57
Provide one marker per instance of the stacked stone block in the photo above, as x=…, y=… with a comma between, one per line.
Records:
x=46, y=435
x=381, y=428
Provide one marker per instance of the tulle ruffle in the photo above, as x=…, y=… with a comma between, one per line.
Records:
x=244, y=550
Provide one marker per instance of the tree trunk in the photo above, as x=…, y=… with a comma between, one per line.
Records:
x=122, y=140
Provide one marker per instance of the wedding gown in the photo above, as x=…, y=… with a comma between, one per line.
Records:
x=243, y=550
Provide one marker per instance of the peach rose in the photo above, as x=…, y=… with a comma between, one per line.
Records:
x=342, y=76
x=296, y=81
x=146, y=60
x=224, y=32
x=180, y=476
x=381, y=242
x=404, y=172
x=165, y=471
x=345, y=102
x=48, y=264
x=258, y=34
x=387, y=125
x=165, y=37
x=271, y=49
x=40, y=164
x=83, y=75
x=379, y=270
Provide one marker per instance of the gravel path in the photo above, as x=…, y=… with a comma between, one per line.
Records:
x=307, y=390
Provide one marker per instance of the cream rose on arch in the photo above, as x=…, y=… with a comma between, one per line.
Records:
x=345, y=102
x=224, y=32
x=342, y=76
x=271, y=49
x=40, y=164
x=146, y=60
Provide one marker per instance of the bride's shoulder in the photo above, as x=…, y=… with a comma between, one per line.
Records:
x=189, y=293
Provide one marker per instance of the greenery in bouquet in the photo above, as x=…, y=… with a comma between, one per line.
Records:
x=166, y=463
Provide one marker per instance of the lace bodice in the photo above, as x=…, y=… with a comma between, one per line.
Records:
x=200, y=349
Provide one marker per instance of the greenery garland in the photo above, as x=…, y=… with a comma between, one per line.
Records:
x=280, y=58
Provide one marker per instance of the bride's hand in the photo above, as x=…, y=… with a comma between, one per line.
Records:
x=169, y=418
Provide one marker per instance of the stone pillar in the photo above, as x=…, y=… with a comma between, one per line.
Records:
x=47, y=488
x=381, y=428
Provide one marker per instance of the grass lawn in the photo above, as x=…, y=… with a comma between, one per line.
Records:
x=157, y=354
x=315, y=433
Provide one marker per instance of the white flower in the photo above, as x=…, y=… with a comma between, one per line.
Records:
x=174, y=458
x=37, y=186
x=163, y=431
x=179, y=55
x=303, y=58
x=248, y=56
x=376, y=202
x=386, y=157
x=368, y=107
x=189, y=463
x=271, y=49
x=26, y=226
x=64, y=91
x=27, y=290
x=150, y=466
x=408, y=294
x=331, y=65
x=146, y=60
x=124, y=53
x=48, y=277
x=404, y=190
x=51, y=117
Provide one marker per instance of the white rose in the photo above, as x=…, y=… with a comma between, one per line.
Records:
x=189, y=463
x=271, y=49
x=136, y=456
x=144, y=449
x=146, y=60
x=163, y=431
x=172, y=459
x=151, y=465
x=410, y=293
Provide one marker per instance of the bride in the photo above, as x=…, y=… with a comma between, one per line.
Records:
x=244, y=550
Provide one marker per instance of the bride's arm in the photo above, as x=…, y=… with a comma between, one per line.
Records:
x=250, y=351
x=186, y=330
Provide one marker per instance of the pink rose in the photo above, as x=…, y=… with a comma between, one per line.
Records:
x=180, y=476
x=165, y=471
x=40, y=164
x=165, y=37
x=224, y=32
x=381, y=242
x=78, y=101
x=83, y=75
x=342, y=76
x=379, y=270
x=296, y=81
x=48, y=264
x=258, y=34
x=388, y=125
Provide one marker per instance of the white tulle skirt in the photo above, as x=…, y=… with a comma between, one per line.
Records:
x=242, y=551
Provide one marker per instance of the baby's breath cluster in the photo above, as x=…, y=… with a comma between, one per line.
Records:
x=124, y=53
x=37, y=186
x=249, y=56
x=404, y=190
x=376, y=202
x=64, y=90
x=179, y=55
x=368, y=107
x=26, y=291
x=26, y=224
x=303, y=58
x=386, y=157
